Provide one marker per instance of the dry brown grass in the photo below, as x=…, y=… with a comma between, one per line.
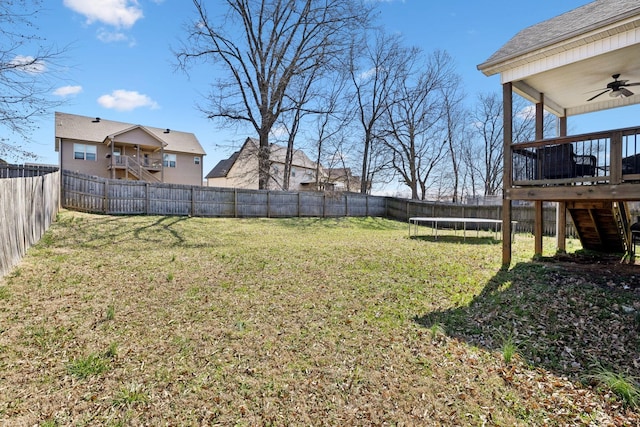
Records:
x=190, y=321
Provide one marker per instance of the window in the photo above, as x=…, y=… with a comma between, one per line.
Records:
x=169, y=161
x=196, y=160
x=293, y=171
x=85, y=152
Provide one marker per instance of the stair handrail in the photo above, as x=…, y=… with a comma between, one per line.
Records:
x=138, y=170
x=624, y=224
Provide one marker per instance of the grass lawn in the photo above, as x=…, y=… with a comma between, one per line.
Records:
x=191, y=321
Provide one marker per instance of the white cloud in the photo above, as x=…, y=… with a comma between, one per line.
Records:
x=28, y=64
x=111, y=36
x=126, y=100
x=117, y=13
x=65, y=91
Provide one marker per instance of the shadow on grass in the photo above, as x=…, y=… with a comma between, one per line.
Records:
x=568, y=320
x=364, y=223
x=162, y=229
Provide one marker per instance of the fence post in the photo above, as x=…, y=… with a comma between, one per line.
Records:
x=346, y=205
x=193, y=202
x=147, y=197
x=268, y=204
x=105, y=202
x=235, y=203
x=299, y=213
x=366, y=203
x=324, y=205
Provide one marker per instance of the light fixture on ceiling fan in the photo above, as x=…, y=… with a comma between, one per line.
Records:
x=617, y=88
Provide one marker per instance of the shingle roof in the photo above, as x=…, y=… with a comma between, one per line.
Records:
x=222, y=168
x=82, y=128
x=579, y=21
x=277, y=155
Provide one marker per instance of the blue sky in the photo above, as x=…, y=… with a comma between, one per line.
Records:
x=120, y=67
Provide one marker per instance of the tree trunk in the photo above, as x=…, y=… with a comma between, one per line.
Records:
x=365, y=164
x=264, y=164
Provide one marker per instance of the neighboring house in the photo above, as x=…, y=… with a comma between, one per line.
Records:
x=240, y=170
x=109, y=149
x=343, y=180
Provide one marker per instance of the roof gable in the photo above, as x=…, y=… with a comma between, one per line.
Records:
x=560, y=61
x=221, y=170
x=250, y=149
x=562, y=28
x=135, y=132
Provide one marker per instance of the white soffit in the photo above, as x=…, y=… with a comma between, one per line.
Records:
x=574, y=71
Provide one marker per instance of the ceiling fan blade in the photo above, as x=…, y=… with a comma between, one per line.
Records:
x=633, y=84
x=594, y=97
x=626, y=92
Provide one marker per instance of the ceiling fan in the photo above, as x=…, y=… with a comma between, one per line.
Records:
x=617, y=88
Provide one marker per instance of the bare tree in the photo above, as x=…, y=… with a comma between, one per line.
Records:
x=329, y=126
x=27, y=65
x=488, y=131
x=453, y=115
x=376, y=66
x=417, y=132
x=263, y=46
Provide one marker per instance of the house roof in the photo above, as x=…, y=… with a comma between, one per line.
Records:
x=90, y=129
x=277, y=155
x=223, y=167
x=340, y=173
x=564, y=60
x=576, y=22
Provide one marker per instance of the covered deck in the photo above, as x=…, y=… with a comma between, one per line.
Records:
x=581, y=62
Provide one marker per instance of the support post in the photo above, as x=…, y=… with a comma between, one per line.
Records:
x=561, y=209
x=507, y=176
x=539, y=217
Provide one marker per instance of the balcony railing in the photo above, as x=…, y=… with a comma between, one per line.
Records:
x=610, y=157
x=146, y=162
x=138, y=169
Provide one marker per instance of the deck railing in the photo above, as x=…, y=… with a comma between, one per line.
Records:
x=609, y=157
x=139, y=169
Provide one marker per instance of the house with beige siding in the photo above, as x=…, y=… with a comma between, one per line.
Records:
x=240, y=170
x=118, y=150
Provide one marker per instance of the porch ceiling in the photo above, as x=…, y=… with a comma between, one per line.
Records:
x=567, y=88
x=570, y=57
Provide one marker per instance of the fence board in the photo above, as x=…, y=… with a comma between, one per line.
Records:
x=29, y=200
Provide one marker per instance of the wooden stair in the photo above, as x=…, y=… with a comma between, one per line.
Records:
x=601, y=225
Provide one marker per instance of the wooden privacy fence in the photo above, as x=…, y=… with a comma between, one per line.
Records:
x=402, y=209
x=108, y=196
x=29, y=201
x=100, y=195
